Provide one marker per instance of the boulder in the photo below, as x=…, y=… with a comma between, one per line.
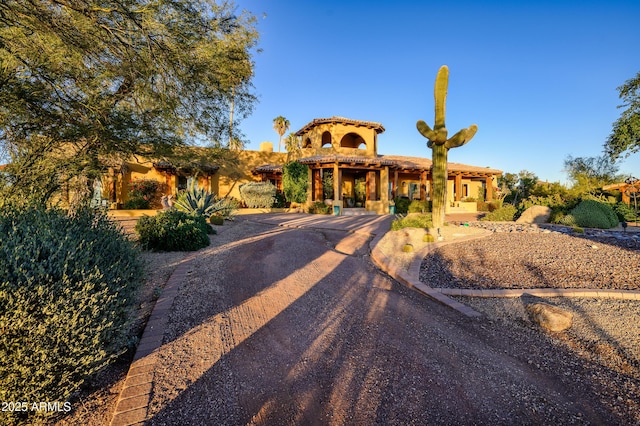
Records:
x=550, y=317
x=535, y=214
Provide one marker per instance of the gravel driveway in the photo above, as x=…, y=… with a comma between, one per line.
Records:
x=275, y=326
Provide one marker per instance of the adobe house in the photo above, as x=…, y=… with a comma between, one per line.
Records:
x=337, y=150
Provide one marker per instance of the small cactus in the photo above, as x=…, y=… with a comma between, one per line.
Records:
x=407, y=248
x=428, y=238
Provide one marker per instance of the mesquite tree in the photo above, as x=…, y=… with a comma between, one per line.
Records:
x=440, y=145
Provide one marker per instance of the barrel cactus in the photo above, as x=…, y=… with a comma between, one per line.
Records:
x=440, y=143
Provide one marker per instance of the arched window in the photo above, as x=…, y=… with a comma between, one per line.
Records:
x=326, y=139
x=307, y=143
x=352, y=140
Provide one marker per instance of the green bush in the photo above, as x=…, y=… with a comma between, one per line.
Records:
x=402, y=205
x=594, y=214
x=413, y=221
x=216, y=220
x=295, y=176
x=568, y=220
x=320, y=207
x=144, y=194
x=258, y=195
x=67, y=285
x=173, y=230
x=419, y=206
x=624, y=212
x=505, y=213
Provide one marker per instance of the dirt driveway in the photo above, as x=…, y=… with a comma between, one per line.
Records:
x=275, y=326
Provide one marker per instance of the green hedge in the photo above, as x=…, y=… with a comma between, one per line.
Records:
x=67, y=284
x=594, y=214
x=173, y=230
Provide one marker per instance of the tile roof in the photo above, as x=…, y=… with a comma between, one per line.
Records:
x=399, y=162
x=379, y=128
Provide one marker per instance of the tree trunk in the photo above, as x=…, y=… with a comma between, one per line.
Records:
x=439, y=170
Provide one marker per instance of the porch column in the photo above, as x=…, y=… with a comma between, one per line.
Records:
x=384, y=185
x=489, y=186
x=458, y=187
x=423, y=185
x=394, y=189
x=318, y=192
x=310, y=186
x=371, y=186
x=337, y=182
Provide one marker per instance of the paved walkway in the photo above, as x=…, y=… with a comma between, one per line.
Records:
x=135, y=397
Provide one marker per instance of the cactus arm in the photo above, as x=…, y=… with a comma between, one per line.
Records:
x=425, y=130
x=462, y=137
x=440, y=95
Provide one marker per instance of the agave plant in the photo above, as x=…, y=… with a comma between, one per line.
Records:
x=197, y=201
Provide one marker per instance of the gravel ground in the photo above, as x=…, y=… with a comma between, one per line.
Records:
x=373, y=352
x=533, y=260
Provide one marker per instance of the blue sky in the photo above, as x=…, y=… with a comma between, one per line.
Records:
x=539, y=78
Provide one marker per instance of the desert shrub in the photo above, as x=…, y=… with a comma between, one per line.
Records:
x=504, y=214
x=418, y=206
x=482, y=206
x=173, y=230
x=560, y=205
x=258, y=195
x=413, y=221
x=624, y=212
x=216, y=220
x=568, y=220
x=67, y=284
x=280, y=200
x=320, y=208
x=594, y=214
x=402, y=205
x=144, y=194
x=295, y=176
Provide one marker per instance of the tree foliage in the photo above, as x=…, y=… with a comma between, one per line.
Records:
x=625, y=136
x=295, y=177
x=589, y=174
x=280, y=125
x=89, y=83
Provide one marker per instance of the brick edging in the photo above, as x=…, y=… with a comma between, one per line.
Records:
x=135, y=396
x=411, y=275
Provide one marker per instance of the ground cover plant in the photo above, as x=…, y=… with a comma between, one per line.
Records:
x=67, y=284
x=413, y=221
x=173, y=230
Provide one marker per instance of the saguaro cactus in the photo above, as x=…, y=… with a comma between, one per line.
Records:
x=440, y=145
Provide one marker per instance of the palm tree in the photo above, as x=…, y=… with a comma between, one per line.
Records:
x=280, y=125
x=292, y=145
